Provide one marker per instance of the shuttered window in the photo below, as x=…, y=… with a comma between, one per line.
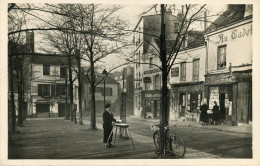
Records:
x=196, y=70
x=183, y=71
x=46, y=69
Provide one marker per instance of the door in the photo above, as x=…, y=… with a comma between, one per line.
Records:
x=155, y=103
x=61, y=110
x=42, y=110
x=243, y=97
x=182, y=104
x=222, y=114
x=193, y=102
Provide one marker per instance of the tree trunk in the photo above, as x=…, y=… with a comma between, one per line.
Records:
x=19, y=87
x=93, y=99
x=66, y=99
x=71, y=89
x=164, y=119
x=79, y=89
x=13, y=116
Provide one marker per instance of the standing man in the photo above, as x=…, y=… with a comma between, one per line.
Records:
x=215, y=113
x=108, y=119
x=203, y=114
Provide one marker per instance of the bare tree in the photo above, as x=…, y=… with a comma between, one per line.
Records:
x=167, y=51
x=105, y=39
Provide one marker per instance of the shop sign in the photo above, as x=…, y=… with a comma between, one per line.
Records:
x=175, y=72
x=234, y=34
x=153, y=95
x=152, y=71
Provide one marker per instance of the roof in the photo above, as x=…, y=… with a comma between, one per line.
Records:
x=49, y=59
x=232, y=14
x=195, y=39
x=109, y=80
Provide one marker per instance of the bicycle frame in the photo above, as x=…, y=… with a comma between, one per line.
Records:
x=174, y=146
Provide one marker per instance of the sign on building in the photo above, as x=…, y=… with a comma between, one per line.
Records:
x=175, y=72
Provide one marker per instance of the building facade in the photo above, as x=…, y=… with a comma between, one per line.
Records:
x=125, y=78
x=228, y=79
x=147, y=76
x=111, y=94
x=187, y=78
x=48, y=87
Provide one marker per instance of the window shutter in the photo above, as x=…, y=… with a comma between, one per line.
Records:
x=52, y=90
x=39, y=89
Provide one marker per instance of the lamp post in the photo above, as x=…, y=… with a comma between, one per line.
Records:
x=104, y=72
x=123, y=104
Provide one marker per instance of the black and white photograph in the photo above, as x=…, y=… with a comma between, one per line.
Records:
x=129, y=82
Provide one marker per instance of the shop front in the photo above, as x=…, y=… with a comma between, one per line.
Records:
x=232, y=94
x=186, y=100
x=151, y=103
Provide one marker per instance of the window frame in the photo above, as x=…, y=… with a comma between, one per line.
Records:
x=46, y=69
x=183, y=71
x=219, y=54
x=195, y=74
x=62, y=72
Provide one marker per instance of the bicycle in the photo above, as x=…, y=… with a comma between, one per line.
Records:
x=175, y=146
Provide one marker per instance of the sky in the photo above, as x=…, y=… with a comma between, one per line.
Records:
x=132, y=14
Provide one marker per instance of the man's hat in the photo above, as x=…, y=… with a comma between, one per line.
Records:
x=107, y=105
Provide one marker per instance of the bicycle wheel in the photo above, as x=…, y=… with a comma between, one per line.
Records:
x=178, y=147
x=156, y=139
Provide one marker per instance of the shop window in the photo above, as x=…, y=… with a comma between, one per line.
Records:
x=157, y=82
x=196, y=70
x=46, y=69
x=183, y=71
x=222, y=57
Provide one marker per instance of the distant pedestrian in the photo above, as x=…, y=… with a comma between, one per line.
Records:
x=203, y=114
x=215, y=116
x=108, y=120
x=141, y=112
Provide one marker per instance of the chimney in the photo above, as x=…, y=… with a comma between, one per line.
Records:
x=30, y=42
x=169, y=12
x=248, y=10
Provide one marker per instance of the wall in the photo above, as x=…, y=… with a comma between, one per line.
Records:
x=188, y=56
x=53, y=78
x=238, y=39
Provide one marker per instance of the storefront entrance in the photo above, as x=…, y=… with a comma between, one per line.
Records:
x=182, y=104
x=222, y=114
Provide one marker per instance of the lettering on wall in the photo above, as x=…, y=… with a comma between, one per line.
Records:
x=234, y=34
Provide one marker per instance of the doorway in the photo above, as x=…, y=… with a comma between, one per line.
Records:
x=155, y=108
x=182, y=104
x=222, y=114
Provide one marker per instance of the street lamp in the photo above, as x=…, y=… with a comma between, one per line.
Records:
x=104, y=72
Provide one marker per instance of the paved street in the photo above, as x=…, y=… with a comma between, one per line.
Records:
x=61, y=139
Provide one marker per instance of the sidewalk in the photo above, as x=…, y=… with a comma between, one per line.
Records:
x=245, y=129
